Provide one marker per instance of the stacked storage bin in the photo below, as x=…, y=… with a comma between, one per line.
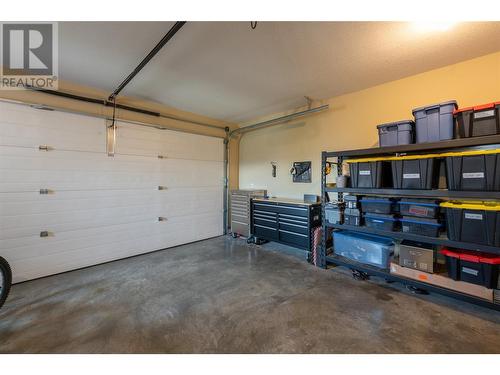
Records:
x=420, y=216
x=380, y=213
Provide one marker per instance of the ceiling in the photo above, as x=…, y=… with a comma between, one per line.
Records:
x=227, y=71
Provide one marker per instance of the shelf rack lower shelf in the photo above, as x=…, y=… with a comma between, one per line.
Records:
x=373, y=271
x=443, y=241
x=437, y=193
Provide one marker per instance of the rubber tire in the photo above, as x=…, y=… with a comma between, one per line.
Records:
x=234, y=235
x=6, y=271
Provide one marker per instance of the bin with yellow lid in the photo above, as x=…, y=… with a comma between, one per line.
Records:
x=415, y=171
x=473, y=221
x=369, y=172
x=473, y=170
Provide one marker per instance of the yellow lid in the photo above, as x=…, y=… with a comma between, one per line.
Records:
x=471, y=153
x=388, y=158
x=473, y=205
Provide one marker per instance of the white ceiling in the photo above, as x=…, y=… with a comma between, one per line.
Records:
x=228, y=71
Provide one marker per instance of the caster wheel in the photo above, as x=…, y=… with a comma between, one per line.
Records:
x=360, y=275
x=416, y=290
x=234, y=235
x=250, y=240
x=5, y=280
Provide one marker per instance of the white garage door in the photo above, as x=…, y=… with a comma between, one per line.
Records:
x=100, y=208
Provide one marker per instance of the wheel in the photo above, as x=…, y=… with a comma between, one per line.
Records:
x=234, y=235
x=360, y=275
x=5, y=280
x=250, y=240
x=416, y=290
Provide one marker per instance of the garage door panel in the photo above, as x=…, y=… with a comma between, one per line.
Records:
x=100, y=208
x=146, y=141
x=29, y=127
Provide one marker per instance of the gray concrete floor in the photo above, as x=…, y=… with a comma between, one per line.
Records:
x=224, y=296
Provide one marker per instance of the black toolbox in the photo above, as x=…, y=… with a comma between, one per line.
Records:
x=419, y=207
x=421, y=226
x=473, y=221
x=473, y=267
x=369, y=173
x=378, y=205
x=415, y=172
x=473, y=170
x=477, y=121
x=381, y=222
x=352, y=216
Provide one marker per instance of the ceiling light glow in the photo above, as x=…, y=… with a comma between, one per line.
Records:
x=433, y=26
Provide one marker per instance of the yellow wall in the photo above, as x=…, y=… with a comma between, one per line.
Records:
x=351, y=121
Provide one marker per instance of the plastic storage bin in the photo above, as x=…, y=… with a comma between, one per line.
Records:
x=364, y=248
x=475, y=222
x=382, y=222
x=396, y=133
x=351, y=201
x=421, y=226
x=368, y=173
x=477, y=121
x=475, y=268
x=415, y=172
x=334, y=213
x=434, y=123
x=428, y=208
x=378, y=205
x=473, y=170
x=352, y=216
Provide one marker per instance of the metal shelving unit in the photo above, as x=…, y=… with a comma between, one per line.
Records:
x=340, y=156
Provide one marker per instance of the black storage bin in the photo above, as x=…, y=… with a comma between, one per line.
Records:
x=421, y=226
x=477, y=121
x=474, y=222
x=415, y=172
x=381, y=222
x=351, y=201
x=475, y=268
x=352, y=216
x=473, y=170
x=378, y=205
x=428, y=208
x=368, y=173
x=434, y=123
x=396, y=133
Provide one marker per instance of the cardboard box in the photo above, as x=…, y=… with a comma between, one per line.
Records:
x=416, y=257
x=443, y=281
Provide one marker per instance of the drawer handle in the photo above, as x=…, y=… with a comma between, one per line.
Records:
x=263, y=226
x=294, y=208
x=294, y=217
x=295, y=225
x=261, y=218
x=295, y=234
x=239, y=222
x=293, y=221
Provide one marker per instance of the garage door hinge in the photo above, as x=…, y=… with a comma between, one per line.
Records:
x=46, y=191
x=45, y=148
x=46, y=233
x=162, y=188
x=161, y=218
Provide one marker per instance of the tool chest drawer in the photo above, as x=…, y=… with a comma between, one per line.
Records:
x=240, y=211
x=285, y=222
